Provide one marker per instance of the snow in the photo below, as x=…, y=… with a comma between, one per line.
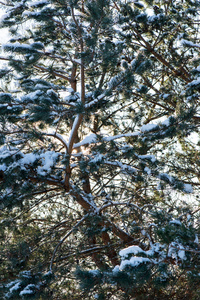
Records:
x=116, y=270
x=194, y=82
x=26, y=274
x=28, y=159
x=188, y=188
x=15, y=287
x=38, y=2
x=148, y=156
x=130, y=250
x=189, y=43
x=27, y=290
x=88, y=105
x=89, y=139
x=133, y=63
x=166, y=176
x=72, y=98
x=124, y=167
x=3, y=105
x=92, y=138
x=9, y=95
x=196, y=241
x=48, y=160
x=33, y=95
x=12, y=283
x=155, y=248
x=139, y=256
x=4, y=17
x=70, y=90
x=177, y=222
x=148, y=127
x=78, y=61
x=4, y=152
x=49, y=273
x=94, y=272
x=114, y=137
x=16, y=45
x=166, y=122
x=133, y=262
x=154, y=17
x=181, y=254
x=165, y=96
x=3, y=167
x=97, y=158
x=143, y=232
x=29, y=13
x=147, y=170
x=176, y=251
x=116, y=80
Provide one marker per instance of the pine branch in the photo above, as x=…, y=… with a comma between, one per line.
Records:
x=53, y=72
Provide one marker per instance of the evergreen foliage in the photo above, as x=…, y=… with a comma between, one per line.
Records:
x=99, y=156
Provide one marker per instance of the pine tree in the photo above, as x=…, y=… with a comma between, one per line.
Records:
x=99, y=157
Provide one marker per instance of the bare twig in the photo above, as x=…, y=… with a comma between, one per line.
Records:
x=64, y=238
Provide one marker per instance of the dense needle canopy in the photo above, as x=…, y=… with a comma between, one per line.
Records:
x=99, y=156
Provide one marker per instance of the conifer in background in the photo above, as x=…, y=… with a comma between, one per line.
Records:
x=99, y=156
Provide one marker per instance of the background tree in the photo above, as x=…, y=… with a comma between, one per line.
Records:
x=99, y=163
